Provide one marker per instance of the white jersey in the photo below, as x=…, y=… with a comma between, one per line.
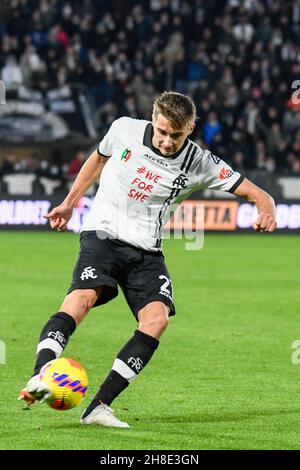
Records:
x=138, y=185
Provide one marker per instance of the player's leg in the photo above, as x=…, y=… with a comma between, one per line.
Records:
x=57, y=331
x=91, y=285
x=130, y=361
x=154, y=319
x=148, y=290
x=56, y=334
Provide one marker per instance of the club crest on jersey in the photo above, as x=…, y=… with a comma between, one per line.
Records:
x=180, y=181
x=126, y=155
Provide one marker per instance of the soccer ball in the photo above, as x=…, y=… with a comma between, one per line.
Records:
x=67, y=381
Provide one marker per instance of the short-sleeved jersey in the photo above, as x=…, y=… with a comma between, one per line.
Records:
x=138, y=185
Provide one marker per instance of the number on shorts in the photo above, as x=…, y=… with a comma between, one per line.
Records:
x=166, y=284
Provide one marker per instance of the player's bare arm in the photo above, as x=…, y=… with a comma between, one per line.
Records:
x=266, y=221
x=89, y=173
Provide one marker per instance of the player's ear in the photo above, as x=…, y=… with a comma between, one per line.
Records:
x=192, y=127
x=154, y=114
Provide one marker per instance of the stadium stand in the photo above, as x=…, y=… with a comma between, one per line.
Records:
x=238, y=59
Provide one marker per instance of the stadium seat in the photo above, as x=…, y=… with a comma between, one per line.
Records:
x=19, y=183
x=290, y=187
x=49, y=184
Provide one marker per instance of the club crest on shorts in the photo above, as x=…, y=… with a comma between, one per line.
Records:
x=88, y=273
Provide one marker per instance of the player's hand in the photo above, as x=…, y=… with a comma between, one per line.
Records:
x=265, y=222
x=59, y=217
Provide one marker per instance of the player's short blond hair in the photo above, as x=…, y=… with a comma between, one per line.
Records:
x=179, y=109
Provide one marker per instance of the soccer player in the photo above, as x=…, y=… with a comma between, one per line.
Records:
x=144, y=167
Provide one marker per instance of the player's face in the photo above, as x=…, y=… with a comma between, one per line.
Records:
x=167, y=139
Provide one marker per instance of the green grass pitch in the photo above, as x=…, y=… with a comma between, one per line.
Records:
x=223, y=376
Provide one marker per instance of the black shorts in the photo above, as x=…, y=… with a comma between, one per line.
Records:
x=142, y=275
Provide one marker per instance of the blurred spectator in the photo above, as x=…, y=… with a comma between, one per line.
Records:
x=211, y=128
x=243, y=30
x=237, y=58
x=293, y=163
x=274, y=138
x=238, y=161
x=8, y=165
x=75, y=165
x=11, y=73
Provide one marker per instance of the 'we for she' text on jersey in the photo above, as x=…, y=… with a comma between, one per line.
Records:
x=138, y=185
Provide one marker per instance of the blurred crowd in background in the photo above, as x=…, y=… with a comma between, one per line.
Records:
x=238, y=59
x=55, y=168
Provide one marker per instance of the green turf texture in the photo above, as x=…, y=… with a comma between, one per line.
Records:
x=222, y=377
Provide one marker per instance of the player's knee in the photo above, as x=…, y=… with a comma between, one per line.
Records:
x=84, y=301
x=78, y=303
x=157, y=319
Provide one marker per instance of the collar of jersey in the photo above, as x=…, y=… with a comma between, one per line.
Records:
x=148, y=143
